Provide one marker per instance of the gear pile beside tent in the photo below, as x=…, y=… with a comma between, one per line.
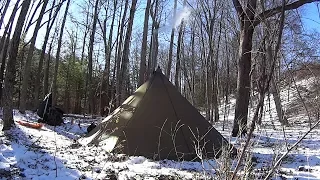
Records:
x=48, y=113
x=159, y=123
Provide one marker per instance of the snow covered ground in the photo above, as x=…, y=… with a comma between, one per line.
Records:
x=53, y=153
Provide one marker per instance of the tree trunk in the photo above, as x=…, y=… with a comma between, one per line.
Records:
x=105, y=96
x=276, y=97
x=42, y=56
x=119, y=56
x=27, y=68
x=215, y=77
x=46, y=71
x=274, y=90
x=90, y=58
x=226, y=90
x=244, y=67
x=193, y=62
x=179, y=48
x=55, y=76
x=143, y=61
x=114, y=81
x=3, y=13
x=154, y=43
x=208, y=91
x=188, y=81
x=178, y=68
x=243, y=83
x=31, y=17
x=4, y=43
x=171, y=42
x=80, y=82
x=3, y=60
x=248, y=21
x=11, y=69
x=126, y=49
x=66, y=99
x=20, y=57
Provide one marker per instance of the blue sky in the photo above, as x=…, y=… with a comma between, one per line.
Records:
x=311, y=16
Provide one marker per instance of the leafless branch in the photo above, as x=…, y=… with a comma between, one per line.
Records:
x=290, y=149
x=238, y=7
x=270, y=12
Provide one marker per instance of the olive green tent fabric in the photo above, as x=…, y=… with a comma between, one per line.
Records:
x=159, y=123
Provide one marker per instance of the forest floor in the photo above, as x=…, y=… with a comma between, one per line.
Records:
x=53, y=152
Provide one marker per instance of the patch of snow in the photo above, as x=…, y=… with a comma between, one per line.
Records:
x=54, y=153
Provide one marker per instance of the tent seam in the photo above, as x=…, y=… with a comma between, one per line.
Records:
x=175, y=112
x=148, y=88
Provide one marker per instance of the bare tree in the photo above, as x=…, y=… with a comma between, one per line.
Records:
x=11, y=70
x=178, y=61
x=119, y=52
x=153, y=55
x=71, y=59
x=57, y=57
x=4, y=43
x=274, y=88
x=265, y=83
x=90, y=57
x=249, y=18
x=143, y=60
x=105, y=87
x=215, y=77
x=50, y=23
x=171, y=41
x=80, y=92
x=126, y=49
x=26, y=70
x=3, y=11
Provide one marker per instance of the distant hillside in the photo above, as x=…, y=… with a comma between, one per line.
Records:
x=301, y=93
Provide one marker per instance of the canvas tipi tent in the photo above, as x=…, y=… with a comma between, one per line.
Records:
x=159, y=123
